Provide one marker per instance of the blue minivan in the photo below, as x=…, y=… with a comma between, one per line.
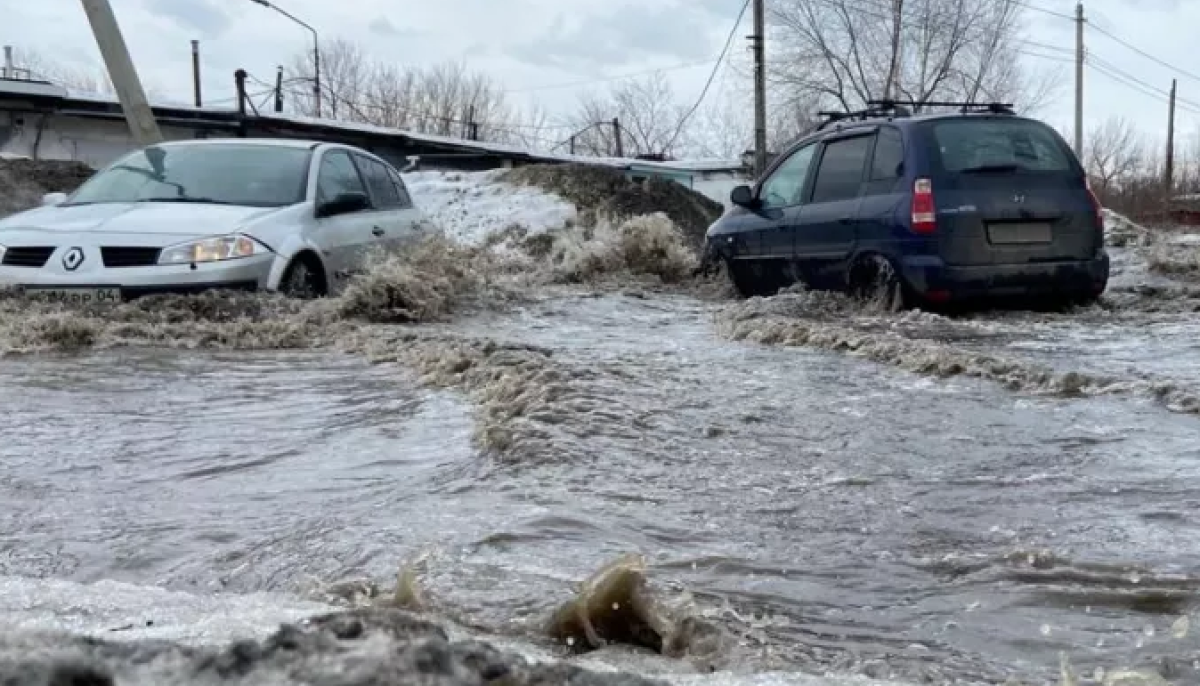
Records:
x=923, y=209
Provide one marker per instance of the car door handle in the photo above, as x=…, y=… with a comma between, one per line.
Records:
x=846, y=220
x=376, y=231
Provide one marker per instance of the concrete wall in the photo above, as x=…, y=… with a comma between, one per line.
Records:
x=95, y=142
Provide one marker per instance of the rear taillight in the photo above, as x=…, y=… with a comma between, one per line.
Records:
x=1097, y=209
x=924, y=215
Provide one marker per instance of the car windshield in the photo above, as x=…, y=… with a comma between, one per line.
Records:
x=233, y=174
x=971, y=145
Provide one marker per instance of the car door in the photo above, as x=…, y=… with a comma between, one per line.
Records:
x=761, y=233
x=410, y=215
x=343, y=237
x=826, y=228
x=393, y=221
x=884, y=196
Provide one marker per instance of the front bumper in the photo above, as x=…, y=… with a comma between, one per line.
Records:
x=247, y=274
x=929, y=275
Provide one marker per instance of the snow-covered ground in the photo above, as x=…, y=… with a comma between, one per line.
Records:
x=470, y=206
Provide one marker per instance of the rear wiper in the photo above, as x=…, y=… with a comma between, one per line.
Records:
x=205, y=201
x=999, y=167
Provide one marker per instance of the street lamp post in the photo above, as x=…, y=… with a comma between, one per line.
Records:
x=316, y=51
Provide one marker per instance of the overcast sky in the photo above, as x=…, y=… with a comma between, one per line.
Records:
x=534, y=47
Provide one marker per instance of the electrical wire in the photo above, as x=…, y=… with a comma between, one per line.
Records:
x=1143, y=53
x=712, y=75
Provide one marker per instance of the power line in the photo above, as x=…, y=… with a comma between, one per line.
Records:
x=712, y=75
x=357, y=109
x=1143, y=53
x=1142, y=88
x=1124, y=74
x=1043, y=10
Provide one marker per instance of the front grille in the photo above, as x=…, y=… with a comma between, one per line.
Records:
x=26, y=257
x=129, y=257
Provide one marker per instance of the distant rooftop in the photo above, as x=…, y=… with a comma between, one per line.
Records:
x=66, y=98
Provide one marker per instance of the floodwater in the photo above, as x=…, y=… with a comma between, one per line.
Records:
x=830, y=510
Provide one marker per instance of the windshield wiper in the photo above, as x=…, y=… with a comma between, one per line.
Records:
x=999, y=167
x=204, y=201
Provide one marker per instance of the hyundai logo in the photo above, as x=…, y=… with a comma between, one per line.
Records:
x=1018, y=199
x=73, y=259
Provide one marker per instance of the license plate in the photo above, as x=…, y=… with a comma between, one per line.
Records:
x=1019, y=233
x=73, y=296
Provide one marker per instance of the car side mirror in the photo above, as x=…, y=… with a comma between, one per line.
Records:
x=742, y=196
x=52, y=199
x=344, y=203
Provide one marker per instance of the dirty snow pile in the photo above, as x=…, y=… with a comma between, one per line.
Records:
x=472, y=206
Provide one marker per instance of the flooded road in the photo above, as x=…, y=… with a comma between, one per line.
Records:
x=831, y=512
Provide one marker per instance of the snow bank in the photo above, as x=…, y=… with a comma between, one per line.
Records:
x=472, y=206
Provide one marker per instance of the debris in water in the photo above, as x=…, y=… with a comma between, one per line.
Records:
x=1181, y=627
x=615, y=606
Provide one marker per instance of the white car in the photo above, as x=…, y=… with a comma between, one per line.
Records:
x=238, y=213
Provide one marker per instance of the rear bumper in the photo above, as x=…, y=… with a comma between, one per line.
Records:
x=929, y=276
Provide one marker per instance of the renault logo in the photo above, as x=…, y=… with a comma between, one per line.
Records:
x=73, y=259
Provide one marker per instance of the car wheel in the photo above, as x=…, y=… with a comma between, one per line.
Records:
x=873, y=279
x=301, y=280
x=743, y=279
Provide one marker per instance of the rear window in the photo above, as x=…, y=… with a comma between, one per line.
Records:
x=970, y=143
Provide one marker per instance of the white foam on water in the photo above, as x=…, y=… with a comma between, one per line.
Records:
x=120, y=611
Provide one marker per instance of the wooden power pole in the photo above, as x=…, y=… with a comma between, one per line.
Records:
x=121, y=71
x=758, y=41
x=1169, y=180
x=1079, y=80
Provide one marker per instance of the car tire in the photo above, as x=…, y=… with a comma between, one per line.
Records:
x=743, y=279
x=302, y=280
x=874, y=279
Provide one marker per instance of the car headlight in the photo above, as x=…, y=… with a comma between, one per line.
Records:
x=217, y=248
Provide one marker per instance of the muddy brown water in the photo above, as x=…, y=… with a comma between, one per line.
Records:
x=830, y=512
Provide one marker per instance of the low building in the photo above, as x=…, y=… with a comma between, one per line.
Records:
x=42, y=120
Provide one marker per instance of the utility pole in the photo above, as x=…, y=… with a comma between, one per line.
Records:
x=1079, y=79
x=616, y=124
x=279, y=88
x=897, y=13
x=124, y=76
x=760, y=88
x=1170, y=166
x=316, y=51
x=196, y=71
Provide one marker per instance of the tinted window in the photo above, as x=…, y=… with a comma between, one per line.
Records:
x=253, y=175
x=975, y=142
x=381, y=185
x=337, y=175
x=889, y=153
x=786, y=183
x=401, y=189
x=840, y=174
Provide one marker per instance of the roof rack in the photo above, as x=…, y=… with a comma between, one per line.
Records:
x=963, y=106
x=875, y=109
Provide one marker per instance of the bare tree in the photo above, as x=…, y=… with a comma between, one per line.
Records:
x=86, y=80
x=649, y=116
x=1113, y=152
x=846, y=52
x=445, y=99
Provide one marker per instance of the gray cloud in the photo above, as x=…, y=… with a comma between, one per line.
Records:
x=203, y=16
x=383, y=27
x=630, y=35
